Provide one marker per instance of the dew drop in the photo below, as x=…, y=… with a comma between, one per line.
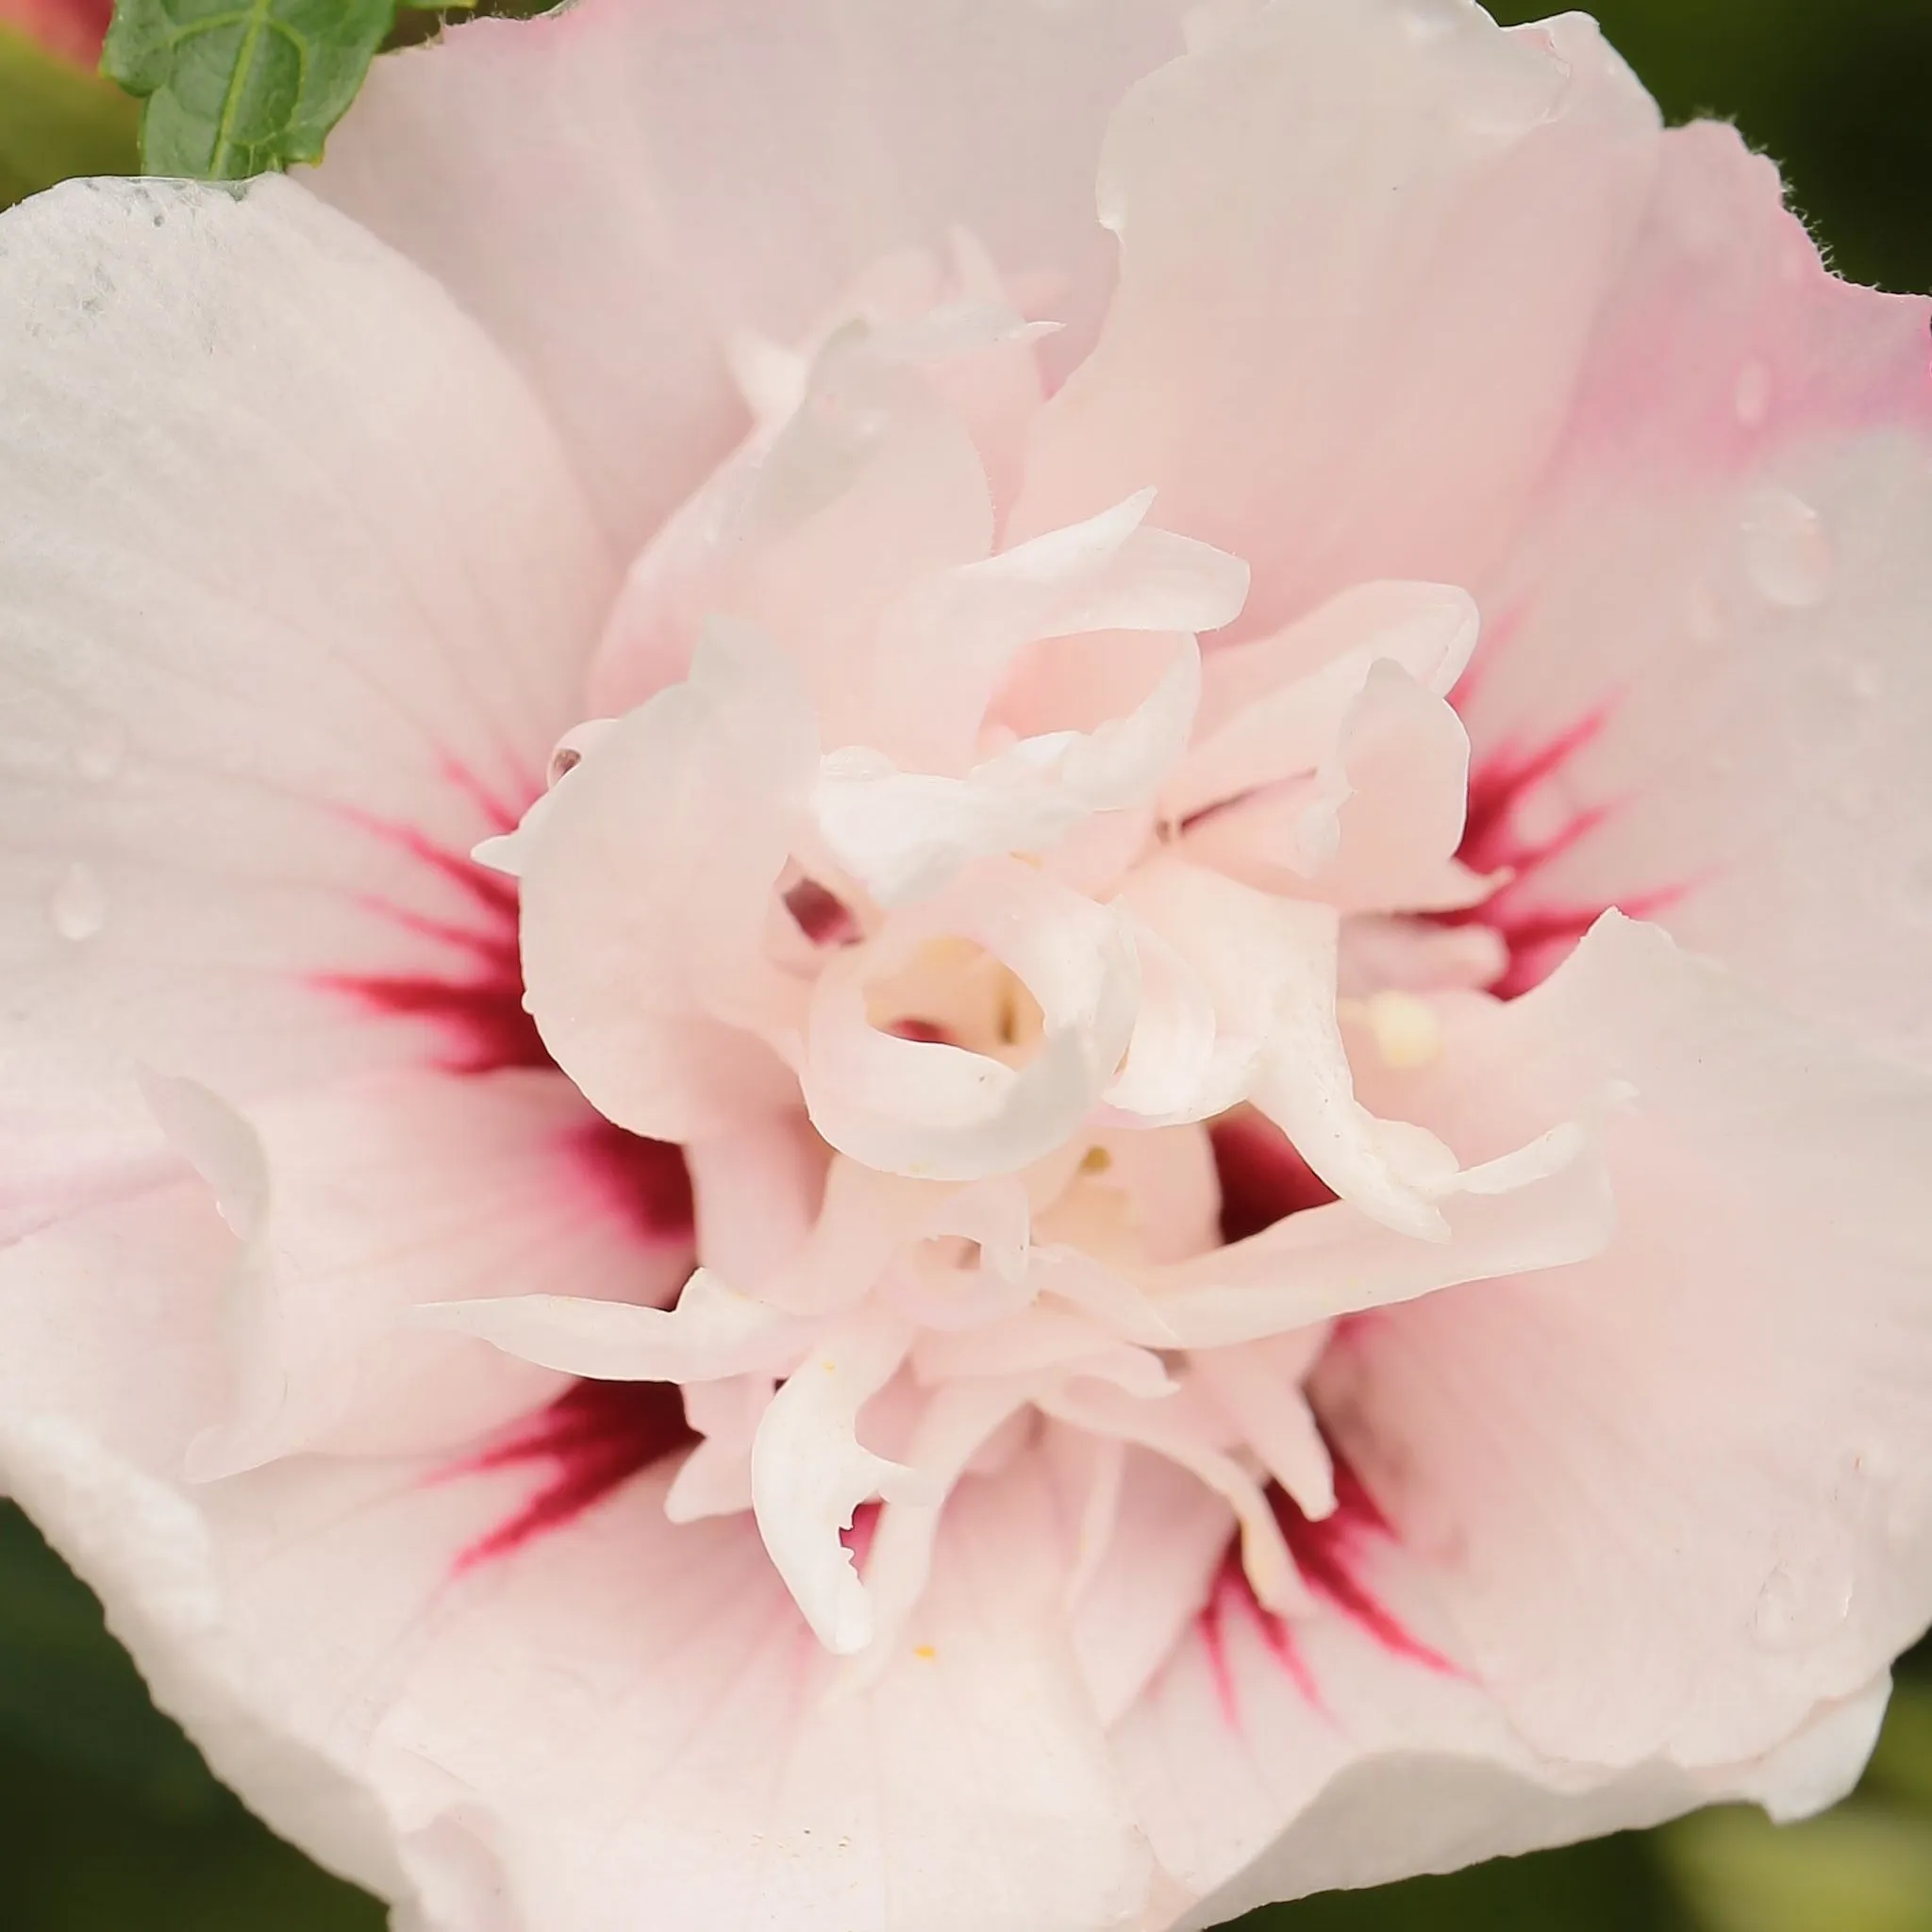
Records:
x=100, y=752
x=78, y=908
x=1787, y=1614
x=1774, y=1621
x=1751, y=394
x=1786, y=551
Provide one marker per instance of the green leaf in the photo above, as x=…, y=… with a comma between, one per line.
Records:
x=424, y=20
x=57, y=121
x=234, y=87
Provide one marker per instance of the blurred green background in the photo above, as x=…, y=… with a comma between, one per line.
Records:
x=108, y=1821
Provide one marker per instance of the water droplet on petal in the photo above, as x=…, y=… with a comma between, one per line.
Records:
x=1788, y=1614
x=100, y=751
x=1751, y=395
x=1774, y=1621
x=78, y=908
x=1786, y=550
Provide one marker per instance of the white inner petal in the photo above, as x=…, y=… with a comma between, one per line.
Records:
x=952, y=1008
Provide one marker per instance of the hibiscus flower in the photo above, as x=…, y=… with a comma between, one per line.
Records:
x=967, y=966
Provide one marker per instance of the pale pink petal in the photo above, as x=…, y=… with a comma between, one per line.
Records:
x=993, y=1219
x=1046, y=1344
x=1182, y=1065
x=1350, y=231
x=1273, y=707
x=1704, y=1456
x=715, y=1478
x=1269, y=966
x=725, y=171
x=646, y=887
x=1376, y=827
x=1146, y=1571
x=906, y=835
x=944, y=648
x=1270, y=1759
x=809, y=1473
x=1549, y=1203
x=929, y=1109
x=1389, y=808
x=1397, y=791
x=111, y=1362
x=1704, y=697
x=957, y=1422
x=357, y=1201
x=266, y=676
x=963, y=334
x=1163, y=1181
x=1271, y=1412
x=628, y=1708
x=757, y=1195
x=1171, y=1428
x=872, y=484
x=1378, y=954
x=712, y=1334
x=966, y=1790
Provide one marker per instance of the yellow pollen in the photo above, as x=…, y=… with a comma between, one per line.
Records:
x=1096, y=1160
x=927, y=1651
x=1407, y=1033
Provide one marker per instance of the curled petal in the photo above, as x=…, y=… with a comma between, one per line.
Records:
x=1377, y=828
x=1046, y=1344
x=1273, y=709
x=712, y=1334
x=1181, y=1065
x=352, y=1203
x=809, y=1473
x=715, y=1478
x=1548, y=1204
x=1167, y=1429
x=645, y=890
x=995, y=1217
x=906, y=835
x=957, y=1421
x=936, y=1111
x=1270, y=967
x=1272, y=1416
x=945, y=647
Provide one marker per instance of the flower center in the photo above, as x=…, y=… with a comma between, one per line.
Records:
x=1007, y=965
